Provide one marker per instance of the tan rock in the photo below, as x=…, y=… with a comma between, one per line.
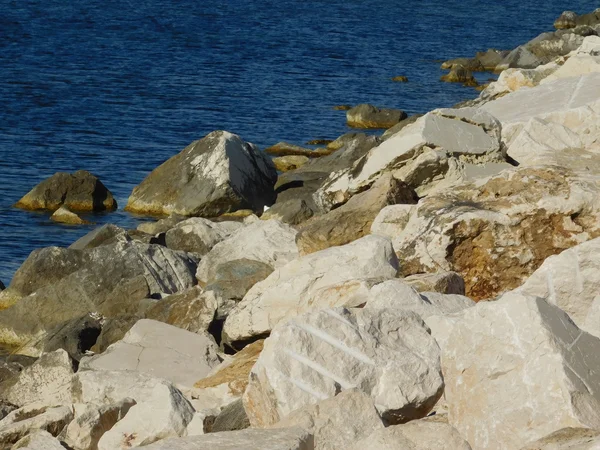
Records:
x=568, y=439
x=64, y=215
x=459, y=74
x=285, y=149
x=35, y=416
x=289, y=162
x=369, y=116
x=38, y=440
x=443, y=282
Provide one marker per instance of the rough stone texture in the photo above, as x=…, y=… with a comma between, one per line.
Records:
x=387, y=354
x=568, y=439
x=79, y=191
x=47, y=381
x=199, y=235
x=571, y=281
x=35, y=416
x=497, y=232
x=281, y=439
x=460, y=74
x=483, y=61
x=113, y=330
x=369, y=116
x=291, y=290
x=399, y=126
x=231, y=418
x=160, y=350
x=63, y=215
x=165, y=413
x=285, y=149
x=518, y=369
x=443, y=282
x=108, y=234
x=217, y=174
x=161, y=225
x=192, y=310
x=293, y=212
x=290, y=162
x=420, y=154
x=353, y=220
x=91, y=421
x=270, y=242
x=337, y=422
x=569, y=19
x=110, y=280
x=585, y=59
x=416, y=435
x=511, y=80
x=391, y=220
x=76, y=336
x=38, y=440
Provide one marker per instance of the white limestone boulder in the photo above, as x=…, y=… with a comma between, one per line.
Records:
x=38, y=440
x=218, y=174
x=34, y=416
x=160, y=350
x=391, y=220
x=289, y=290
x=274, y=439
x=517, y=370
x=338, y=422
x=586, y=59
x=199, y=235
x=47, y=381
x=571, y=281
x=568, y=439
x=513, y=79
x=387, y=354
x=270, y=241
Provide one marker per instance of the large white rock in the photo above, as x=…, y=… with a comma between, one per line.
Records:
x=469, y=132
x=338, y=422
x=391, y=220
x=571, y=281
x=290, y=290
x=161, y=350
x=425, y=434
x=91, y=421
x=513, y=79
x=518, y=369
x=38, y=440
x=215, y=175
x=270, y=241
x=46, y=381
x=165, y=413
x=281, y=439
x=199, y=235
x=585, y=59
x=387, y=354
x=35, y=416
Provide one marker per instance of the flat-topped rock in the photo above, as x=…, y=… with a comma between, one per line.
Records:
x=218, y=174
x=285, y=149
x=79, y=191
x=369, y=116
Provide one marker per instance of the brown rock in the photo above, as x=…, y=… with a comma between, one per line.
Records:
x=290, y=162
x=63, y=215
x=459, y=74
x=319, y=142
x=342, y=107
x=285, y=149
x=400, y=79
x=369, y=116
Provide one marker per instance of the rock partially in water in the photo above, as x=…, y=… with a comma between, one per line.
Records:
x=400, y=79
x=218, y=174
x=460, y=74
x=79, y=191
x=64, y=215
x=369, y=116
x=569, y=19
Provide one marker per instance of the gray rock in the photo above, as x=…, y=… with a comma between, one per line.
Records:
x=292, y=212
x=460, y=74
x=199, y=235
x=231, y=418
x=399, y=126
x=108, y=234
x=162, y=225
x=80, y=191
x=568, y=19
x=113, y=330
x=76, y=336
x=215, y=175
x=369, y=116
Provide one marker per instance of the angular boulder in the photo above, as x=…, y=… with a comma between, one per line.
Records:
x=291, y=290
x=64, y=215
x=218, y=174
x=79, y=191
x=460, y=74
x=369, y=116
x=75, y=336
x=38, y=440
x=290, y=162
x=387, y=354
x=337, y=422
x=33, y=417
x=391, y=220
x=442, y=282
x=161, y=350
x=517, y=370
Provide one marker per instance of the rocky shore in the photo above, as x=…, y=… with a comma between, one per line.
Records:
x=435, y=287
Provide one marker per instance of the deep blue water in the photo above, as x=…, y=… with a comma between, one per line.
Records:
x=117, y=87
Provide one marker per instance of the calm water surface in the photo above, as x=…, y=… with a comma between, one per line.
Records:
x=117, y=87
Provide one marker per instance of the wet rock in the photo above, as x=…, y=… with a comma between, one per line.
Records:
x=460, y=74
x=79, y=191
x=64, y=215
x=293, y=288
x=342, y=107
x=290, y=162
x=387, y=354
x=161, y=350
x=443, y=282
x=33, y=417
x=353, y=220
x=369, y=116
x=285, y=149
x=471, y=64
x=337, y=422
x=199, y=235
x=217, y=174
x=292, y=212
x=319, y=142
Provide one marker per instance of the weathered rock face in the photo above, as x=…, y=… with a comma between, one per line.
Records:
x=387, y=354
x=519, y=369
x=270, y=242
x=511, y=80
x=443, y=282
x=80, y=191
x=285, y=149
x=231, y=418
x=569, y=19
x=369, y=116
x=460, y=74
x=353, y=220
x=586, y=59
x=47, y=381
x=110, y=280
x=64, y=215
x=567, y=439
x=571, y=281
x=337, y=422
x=75, y=336
x=424, y=434
x=108, y=234
x=38, y=440
x=290, y=162
x=292, y=212
x=281, y=439
x=35, y=416
x=217, y=174
x=161, y=225
x=161, y=350
x=391, y=220
x=199, y=235
x=495, y=233
x=399, y=126
x=292, y=289
x=420, y=154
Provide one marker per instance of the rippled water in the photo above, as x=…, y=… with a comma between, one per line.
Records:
x=117, y=87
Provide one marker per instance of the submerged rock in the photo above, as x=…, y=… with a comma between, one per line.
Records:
x=215, y=175
x=369, y=116
x=79, y=191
